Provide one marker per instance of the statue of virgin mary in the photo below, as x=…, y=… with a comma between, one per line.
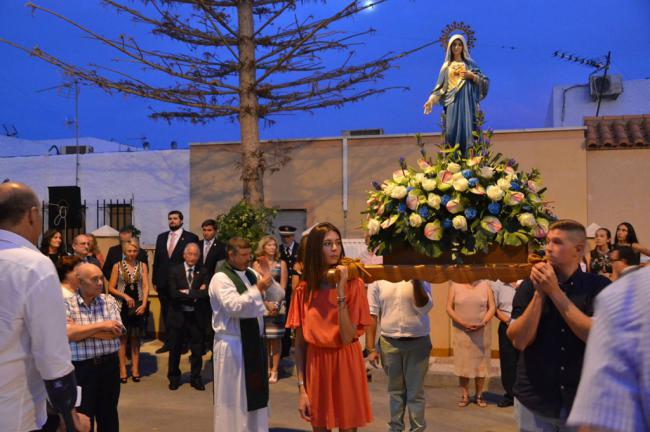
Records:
x=459, y=88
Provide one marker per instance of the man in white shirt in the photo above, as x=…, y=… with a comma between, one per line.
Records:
x=402, y=310
x=240, y=360
x=34, y=353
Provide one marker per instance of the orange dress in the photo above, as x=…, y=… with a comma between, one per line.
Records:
x=335, y=375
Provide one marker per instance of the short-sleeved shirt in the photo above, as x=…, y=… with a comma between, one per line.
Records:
x=319, y=318
x=548, y=370
x=394, y=303
x=33, y=340
x=101, y=308
x=614, y=392
x=503, y=295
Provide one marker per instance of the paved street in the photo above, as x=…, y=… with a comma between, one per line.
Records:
x=150, y=406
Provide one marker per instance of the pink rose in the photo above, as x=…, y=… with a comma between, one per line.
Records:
x=491, y=224
x=433, y=230
x=514, y=198
x=412, y=201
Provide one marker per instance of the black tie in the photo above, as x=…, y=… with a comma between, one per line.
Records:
x=190, y=276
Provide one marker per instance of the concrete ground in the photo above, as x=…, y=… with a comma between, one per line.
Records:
x=151, y=406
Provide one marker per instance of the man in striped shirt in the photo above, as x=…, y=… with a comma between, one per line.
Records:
x=614, y=391
x=94, y=328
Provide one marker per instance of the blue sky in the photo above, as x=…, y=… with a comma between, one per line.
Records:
x=515, y=43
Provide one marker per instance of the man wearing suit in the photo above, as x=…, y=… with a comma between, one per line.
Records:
x=169, y=252
x=289, y=254
x=212, y=250
x=115, y=253
x=189, y=310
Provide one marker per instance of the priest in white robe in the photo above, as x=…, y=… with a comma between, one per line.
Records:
x=241, y=390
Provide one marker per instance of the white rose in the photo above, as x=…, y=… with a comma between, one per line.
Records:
x=527, y=220
x=398, y=192
x=457, y=175
x=453, y=167
x=460, y=223
x=373, y=226
x=415, y=220
x=461, y=184
x=388, y=188
x=495, y=193
x=419, y=177
x=398, y=176
x=434, y=201
x=486, y=172
x=503, y=183
x=428, y=184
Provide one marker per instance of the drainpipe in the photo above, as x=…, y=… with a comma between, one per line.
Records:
x=345, y=186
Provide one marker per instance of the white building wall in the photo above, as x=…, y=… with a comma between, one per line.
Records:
x=158, y=181
x=578, y=103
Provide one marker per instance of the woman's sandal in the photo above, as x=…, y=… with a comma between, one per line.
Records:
x=463, y=402
x=135, y=378
x=124, y=380
x=480, y=402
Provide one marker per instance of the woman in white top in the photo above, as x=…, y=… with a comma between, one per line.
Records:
x=65, y=267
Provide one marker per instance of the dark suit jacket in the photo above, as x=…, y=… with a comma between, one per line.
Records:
x=114, y=255
x=162, y=262
x=217, y=253
x=198, y=298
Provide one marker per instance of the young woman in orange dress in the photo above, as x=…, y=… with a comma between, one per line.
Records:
x=328, y=319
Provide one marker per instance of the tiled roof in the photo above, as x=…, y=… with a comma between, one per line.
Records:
x=631, y=131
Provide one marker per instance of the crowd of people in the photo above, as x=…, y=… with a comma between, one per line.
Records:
x=244, y=304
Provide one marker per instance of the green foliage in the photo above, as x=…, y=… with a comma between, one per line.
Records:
x=246, y=221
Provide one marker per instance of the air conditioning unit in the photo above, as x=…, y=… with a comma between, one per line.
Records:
x=609, y=87
x=362, y=132
x=78, y=149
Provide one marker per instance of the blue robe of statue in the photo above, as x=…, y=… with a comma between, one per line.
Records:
x=460, y=102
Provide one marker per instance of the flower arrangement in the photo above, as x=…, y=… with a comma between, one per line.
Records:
x=246, y=221
x=458, y=204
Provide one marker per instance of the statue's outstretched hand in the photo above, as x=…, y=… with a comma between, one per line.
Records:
x=428, y=105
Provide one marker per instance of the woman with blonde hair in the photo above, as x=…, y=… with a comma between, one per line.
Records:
x=268, y=262
x=129, y=283
x=329, y=318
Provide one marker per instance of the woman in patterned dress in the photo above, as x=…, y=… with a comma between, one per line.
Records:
x=130, y=283
x=599, y=262
x=268, y=261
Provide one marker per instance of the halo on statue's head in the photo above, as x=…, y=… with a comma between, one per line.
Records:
x=455, y=28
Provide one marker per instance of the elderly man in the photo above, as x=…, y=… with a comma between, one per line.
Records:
x=403, y=312
x=94, y=329
x=241, y=390
x=551, y=319
x=81, y=248
x=34, y=354
x=188, y=312
x=622, y=259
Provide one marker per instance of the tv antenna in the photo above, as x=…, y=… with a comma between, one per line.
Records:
x=599, y=64
x=69, y=88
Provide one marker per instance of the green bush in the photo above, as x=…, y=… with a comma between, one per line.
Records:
x=246, y=221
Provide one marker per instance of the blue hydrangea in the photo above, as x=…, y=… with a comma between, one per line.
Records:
x=446, y=223
x=409, y=189
x=445, y=199
x=494, y=208
x=467, y=173
x=473, y=182
x=424, y=212
x=515, y=186
x=470, y=213
x=401, y=208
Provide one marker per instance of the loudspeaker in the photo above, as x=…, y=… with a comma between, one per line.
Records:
x=64, y=200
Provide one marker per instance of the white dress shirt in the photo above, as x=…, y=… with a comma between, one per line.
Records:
x=33, y=341
x=394, y=304
x=228, y=306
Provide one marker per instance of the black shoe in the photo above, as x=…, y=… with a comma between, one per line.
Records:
x=198, y=385
x=173, y=385
x=163, y=349
x=505, y=402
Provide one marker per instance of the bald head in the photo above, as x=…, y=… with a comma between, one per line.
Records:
x=16, y=200
x=91, y=280
x=19, y=211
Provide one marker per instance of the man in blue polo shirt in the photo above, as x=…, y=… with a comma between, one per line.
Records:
x=551, y=320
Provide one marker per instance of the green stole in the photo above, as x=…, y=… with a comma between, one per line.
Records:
x=253, y=347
